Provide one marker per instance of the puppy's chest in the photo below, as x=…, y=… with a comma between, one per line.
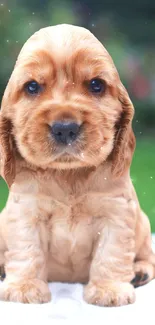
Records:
x=70, y=229
x=73, y=221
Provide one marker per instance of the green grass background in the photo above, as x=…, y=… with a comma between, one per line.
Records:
x=143, y=177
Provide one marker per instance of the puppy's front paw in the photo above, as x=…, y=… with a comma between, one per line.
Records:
x=25, y=291
x=110, y=294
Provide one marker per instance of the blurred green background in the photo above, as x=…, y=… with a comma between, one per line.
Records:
x=127, y=30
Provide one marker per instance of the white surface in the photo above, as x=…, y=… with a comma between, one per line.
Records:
x=68, y=307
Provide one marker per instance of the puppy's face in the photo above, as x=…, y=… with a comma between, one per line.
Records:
x=63, y=99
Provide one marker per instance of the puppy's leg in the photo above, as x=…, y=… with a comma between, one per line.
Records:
x=144, y=272
x=144, y=265
x=2, y=251
x=2, y=273
x=25, y=262
x=112, y=265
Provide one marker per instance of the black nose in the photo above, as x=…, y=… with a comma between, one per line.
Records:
x=65, y=132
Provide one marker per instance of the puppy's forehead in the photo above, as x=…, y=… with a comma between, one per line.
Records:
x=63, y=41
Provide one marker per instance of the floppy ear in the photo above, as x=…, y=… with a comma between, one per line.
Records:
x=7, y=160
x=124, y=139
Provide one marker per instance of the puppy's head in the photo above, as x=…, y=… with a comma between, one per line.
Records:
x=65, y=106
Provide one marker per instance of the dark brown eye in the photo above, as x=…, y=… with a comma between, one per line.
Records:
x=97, y=86
x=32, y=87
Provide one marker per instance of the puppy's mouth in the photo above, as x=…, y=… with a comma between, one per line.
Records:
x=72, y=153
x=67, y=153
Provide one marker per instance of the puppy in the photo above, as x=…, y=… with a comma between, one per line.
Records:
x=66, y=145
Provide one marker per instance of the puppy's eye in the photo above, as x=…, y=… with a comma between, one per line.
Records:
x=32, y=87
x=97, y=86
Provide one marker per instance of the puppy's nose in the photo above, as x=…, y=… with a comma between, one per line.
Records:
x=65, y=132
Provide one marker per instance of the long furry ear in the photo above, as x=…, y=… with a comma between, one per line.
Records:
x=125, y=142
x=7, y=160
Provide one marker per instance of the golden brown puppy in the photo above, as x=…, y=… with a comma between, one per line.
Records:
x=66, y=145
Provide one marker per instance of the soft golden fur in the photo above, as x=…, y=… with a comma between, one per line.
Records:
x=72, y=213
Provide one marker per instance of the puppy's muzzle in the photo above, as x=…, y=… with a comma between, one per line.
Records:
x=65, y=132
